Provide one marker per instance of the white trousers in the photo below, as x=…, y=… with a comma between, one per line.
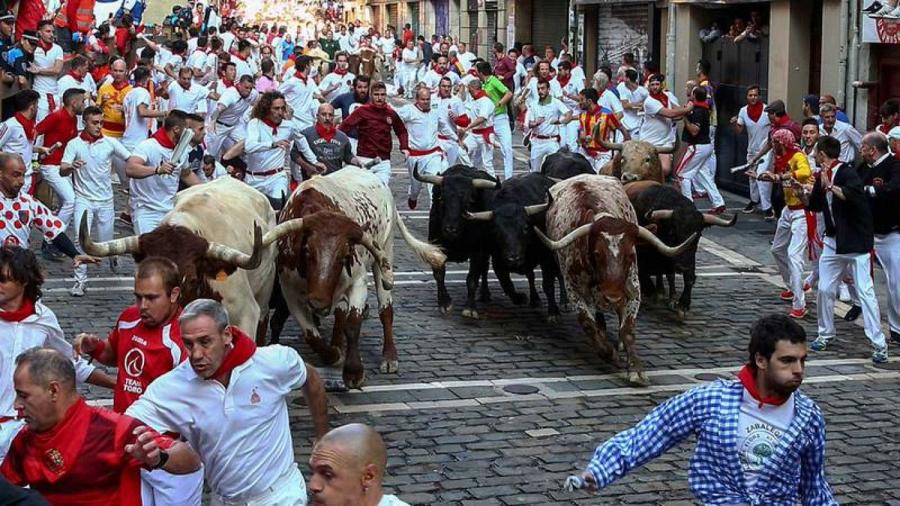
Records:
x=887, y=249
x=481, y=153
x=159, y=488
x=599, y=161
x=288, y=490
x=504, y=137
x=382, y=169
x=454, y=152
x=569, y=134
x=831, y=269
x=691, y=170
x=273, y=186
x=62, y=186
x=541, y=148
x=763, y=188
x=224, y=138
x=789, y=250
x=8, y=432
x=101, y=217
x=145, y=220
x=44, y=107
x=813, y=278
x=432, y=164
x=710, y=166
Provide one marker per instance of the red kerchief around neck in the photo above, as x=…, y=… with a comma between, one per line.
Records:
x=243, y=348
x=748, y=379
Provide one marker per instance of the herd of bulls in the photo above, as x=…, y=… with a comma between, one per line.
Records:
x=603, y=240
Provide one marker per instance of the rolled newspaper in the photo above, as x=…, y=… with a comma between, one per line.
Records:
x=743, y=168
x=184, y=143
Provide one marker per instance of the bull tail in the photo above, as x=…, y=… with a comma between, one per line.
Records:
x=429, y=253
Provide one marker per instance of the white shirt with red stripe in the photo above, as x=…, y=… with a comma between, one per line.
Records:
x=22, y=213
x=143, y=354
x=14, y=140
x=422, y=127
x=446, y=106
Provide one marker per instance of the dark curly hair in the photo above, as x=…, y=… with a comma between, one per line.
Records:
x=264, y=105
x=20, y=265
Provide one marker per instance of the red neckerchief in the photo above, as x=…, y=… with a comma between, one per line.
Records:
x=300, y=75
x=120, y=86
x=748, y=379
x=755, y=111
x=24, y=311
x=781, y=162
x=75, y=76
x=340, y=71
x=28, y=125
x=272, y=124
x=662, y=97
x=478, y=94
x=884, y=129
x=473, y=72
x=563, y=81
x=163, y=139
x=242, y=349
x=326, y=132
x=238, y=56
x=700, y=103
x=43, y=45
x=783, y=121
x=90, y=139
x=829, y=171
x=228, y=83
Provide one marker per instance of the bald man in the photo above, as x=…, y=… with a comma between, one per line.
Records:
x=331, y=146
x=348, y=467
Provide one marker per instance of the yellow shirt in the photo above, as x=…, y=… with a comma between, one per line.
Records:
x=109, y=100
x=798, y=167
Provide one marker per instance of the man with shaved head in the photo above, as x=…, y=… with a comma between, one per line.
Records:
x=331, y=146
x=348, y=467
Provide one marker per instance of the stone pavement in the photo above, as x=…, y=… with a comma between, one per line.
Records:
x=500, y=410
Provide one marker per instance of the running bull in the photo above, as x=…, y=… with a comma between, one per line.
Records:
x=675, y=219
x=594, y=230
x=213, y=255
x=458, y=190
x=637, y=161
x=565, y=164
x=333, y=230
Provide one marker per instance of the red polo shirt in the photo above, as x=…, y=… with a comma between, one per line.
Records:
x=58, y=126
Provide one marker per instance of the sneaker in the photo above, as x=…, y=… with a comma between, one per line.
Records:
x=894, y=14
x=875, y=7
x=895, y=337
x=819, y=344
x=798, y=313
x=853, y=314
x=749, y=208
x=807, y=287
x=880, y=355
x=787, y=295
x=770, y=215
x=412, y=203
x=720, y=210
x=78, y=290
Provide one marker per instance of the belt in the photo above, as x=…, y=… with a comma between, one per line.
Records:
x=419, y=152
x=444, y=137
x=485, y=133
x=547, y=137
x=224, y=124
x=267, y=173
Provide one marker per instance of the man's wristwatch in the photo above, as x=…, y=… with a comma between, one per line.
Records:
x=163, y=458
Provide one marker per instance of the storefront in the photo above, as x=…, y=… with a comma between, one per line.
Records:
x=613, y=28
x=882, y=36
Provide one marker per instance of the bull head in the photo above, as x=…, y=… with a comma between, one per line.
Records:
x=131, y=245
x=642, y=233
x=489, y=215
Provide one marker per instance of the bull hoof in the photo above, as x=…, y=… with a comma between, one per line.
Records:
x=355, y=379
x=390, y=366
x=680, y=315
x=332, y=356
x=470, y=313
x=637, y=378
x=334, y=385
x=445, y=309
x=519, y=298
x=553, y=318
x=672, y=304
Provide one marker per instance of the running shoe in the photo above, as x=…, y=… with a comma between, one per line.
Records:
x=787, y=295
x=880, y=355
x=749, y=208
x=798, y=313
x=819, y=344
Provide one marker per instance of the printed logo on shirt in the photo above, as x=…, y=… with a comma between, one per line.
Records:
x=54, y=460
x=254, y=397
x=134, y=362
x=758, y=445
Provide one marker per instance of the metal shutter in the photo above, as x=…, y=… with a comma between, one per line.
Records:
x=549, y=24
x=413, y=14
x=622, y=28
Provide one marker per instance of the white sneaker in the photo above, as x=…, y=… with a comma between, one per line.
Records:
x=78, y=290
x=844, y=293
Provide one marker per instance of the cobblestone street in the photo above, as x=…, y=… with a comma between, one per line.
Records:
x=501, y=409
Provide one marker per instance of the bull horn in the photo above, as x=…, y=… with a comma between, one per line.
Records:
x=536, y=209
x=664, y=150
x=427, y=178
x=281, y=230
x=555, y=179
x=123, y=246
x=612, y=146
x=565, y=241
x=712, y=219
x=382, y=263
x=665, y=249
x=659, y=215
x=236, y=257
x=479, y=216
x=484, y=184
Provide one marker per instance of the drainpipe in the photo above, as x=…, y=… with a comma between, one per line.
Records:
x=670, y=44
x=844, y=26
x=853, y=61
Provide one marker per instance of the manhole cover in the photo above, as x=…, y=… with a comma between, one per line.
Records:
x=710, y=376
x=520, y=389
x=889, y=366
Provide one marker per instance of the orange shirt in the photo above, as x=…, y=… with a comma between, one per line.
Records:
x=603, y=119
x=109, y=100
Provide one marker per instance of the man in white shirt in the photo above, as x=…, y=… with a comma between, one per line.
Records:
x=465, y=57
x=46, y=67
x=660, y=108
x=453, y=113
x=78, y=77
x=422, y=123
x=849, y=137
x=608, y=99
x=632, y=96
x=480, y=142
x=228, y=123
x=88, y=158
x=245, y=65
x=270, y=137
x=17, y=133
x=753, y=119
x=239, y=394
x=348, y=467
x=570, y=87
x=301, y=93
x=545, y=118
x=439, y=71
x=155, y=174
x=339, y=81
x=530, y=92
x=185, y=95
x=138, y=110
x=198, y=61
x=228, y=36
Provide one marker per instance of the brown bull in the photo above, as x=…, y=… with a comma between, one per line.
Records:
x=635, y=161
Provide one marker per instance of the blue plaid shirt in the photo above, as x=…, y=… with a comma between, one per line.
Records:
x=794, y=473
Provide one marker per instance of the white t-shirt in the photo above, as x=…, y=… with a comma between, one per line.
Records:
x=656, y=128
x=445, y=106
x=758, y=432
x=555, y=90
x=387, y=45
x=630, y=118
x=422, y=126
x=609, y=100
x=227, y=40
x=192, y=100
x=757, y=131
x=46, y=59
x=391, y=500
x=92, y=181
x=243, y=67
x=156, y=192
x=552, y=111
x=197, y=60
x=344, y=82
x=481, y=108
x=241, y=432
x=299, y=95
x=573, y=87
x=235, y=106
x=137, y=128
x=14, y=140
